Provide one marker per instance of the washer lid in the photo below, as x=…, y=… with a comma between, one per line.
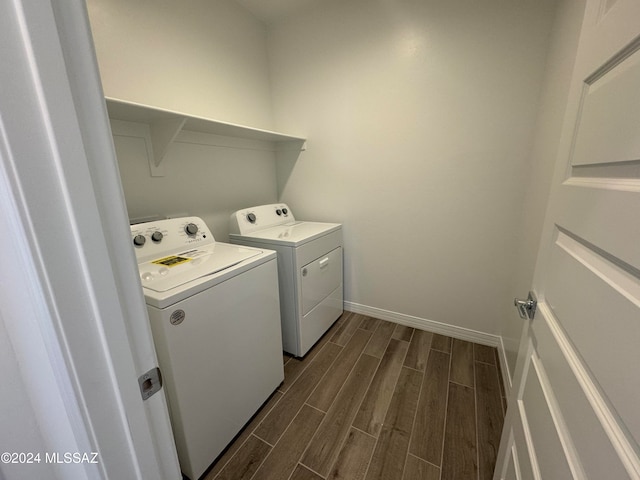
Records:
x=165, y=273
x=294, y=233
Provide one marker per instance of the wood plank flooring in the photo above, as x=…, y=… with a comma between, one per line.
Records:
x=374, y=400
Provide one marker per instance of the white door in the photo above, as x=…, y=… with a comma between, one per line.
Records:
x=574, y=410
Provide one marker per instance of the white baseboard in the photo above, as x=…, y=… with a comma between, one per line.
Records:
x=440, y=328
x=424, y=324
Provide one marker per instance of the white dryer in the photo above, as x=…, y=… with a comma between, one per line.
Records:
x=215, y=318
x=309, y=269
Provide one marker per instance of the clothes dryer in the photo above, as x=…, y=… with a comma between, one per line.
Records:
x=215, y=318
x=309, y=269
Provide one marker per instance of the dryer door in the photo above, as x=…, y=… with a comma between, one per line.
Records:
x=319, y=278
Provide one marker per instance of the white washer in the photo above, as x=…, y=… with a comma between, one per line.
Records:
x=309, y=269
x=215, y=318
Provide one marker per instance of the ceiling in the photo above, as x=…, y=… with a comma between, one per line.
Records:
x=270, y=11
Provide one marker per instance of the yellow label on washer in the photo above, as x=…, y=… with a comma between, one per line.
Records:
x=171, y=261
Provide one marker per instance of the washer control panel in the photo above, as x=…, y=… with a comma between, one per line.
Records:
x=252, y=219
x=153, y=239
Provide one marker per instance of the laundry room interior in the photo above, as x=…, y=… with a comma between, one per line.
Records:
x=427, y=129
x=430, y=131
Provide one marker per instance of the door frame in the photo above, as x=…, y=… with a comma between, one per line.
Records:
x=71, y=299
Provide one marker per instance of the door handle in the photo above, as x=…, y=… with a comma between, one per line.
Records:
x=526, y=308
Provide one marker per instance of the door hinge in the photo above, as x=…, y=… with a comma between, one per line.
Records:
x=150, y=382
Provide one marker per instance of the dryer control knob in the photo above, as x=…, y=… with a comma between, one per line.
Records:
x=191, y=229
x=157, y=236
x=139, y=240
x=278, y=212
x=285, y=211
x=251, y=217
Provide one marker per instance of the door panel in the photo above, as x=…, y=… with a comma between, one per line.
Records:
x=592, y=211
x=320, y=278
x=523, y=467
x=522, y=450
x=574, y=405
x=513, y=470
x=610, y=109
x=552, y=451
x=581, y=287
x=577, y=397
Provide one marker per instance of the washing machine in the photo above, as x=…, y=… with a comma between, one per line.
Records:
x=309, y=269
x=214, y=310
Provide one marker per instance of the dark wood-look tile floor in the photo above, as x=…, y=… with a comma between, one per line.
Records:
x=374, y=400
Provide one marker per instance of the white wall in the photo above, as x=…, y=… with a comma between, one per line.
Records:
x=201, y=179
x=559, y=67
x=208, y=59
x=420, y=118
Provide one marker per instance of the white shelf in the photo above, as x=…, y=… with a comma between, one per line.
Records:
x=165, y=125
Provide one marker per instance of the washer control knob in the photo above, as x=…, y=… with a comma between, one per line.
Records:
x=191, y=229
x=278, y=212
x=157, y=236
x=251, y=217
x=285, y=211
x=139, y=240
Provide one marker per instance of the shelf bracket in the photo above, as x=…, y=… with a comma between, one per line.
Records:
x=163, y=132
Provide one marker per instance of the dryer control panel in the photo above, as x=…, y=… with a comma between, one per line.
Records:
x=153, y=239
x=252, y=219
